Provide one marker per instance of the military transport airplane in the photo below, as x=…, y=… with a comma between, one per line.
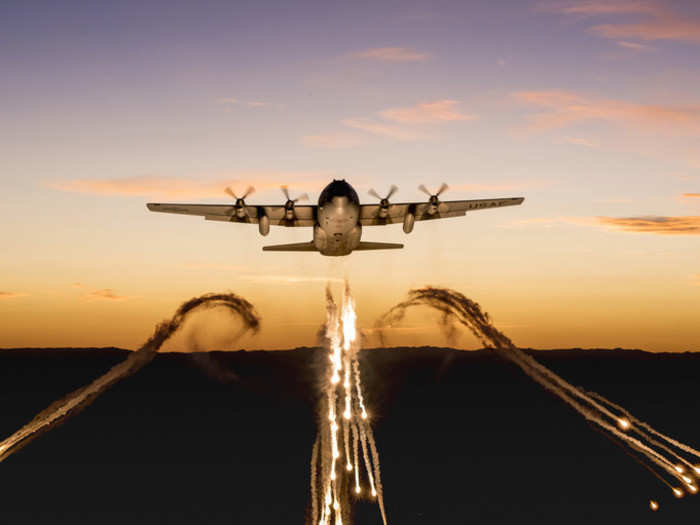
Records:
x=338, y=218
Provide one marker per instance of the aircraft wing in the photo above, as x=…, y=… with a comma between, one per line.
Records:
x=304, y=215
x=369, y=213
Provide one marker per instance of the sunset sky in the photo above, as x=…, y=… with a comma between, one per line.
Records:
x=590, y=109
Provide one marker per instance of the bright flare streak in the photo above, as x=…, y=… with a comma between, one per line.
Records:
x=678, y=493
x=653, y=505
x=687, y=480
x=341, y=332
x=692, y=488
x=680, y=469
x=697, y=470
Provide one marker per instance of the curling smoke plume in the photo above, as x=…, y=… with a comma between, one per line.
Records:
x=657, y=450
x=335, y=461
x=74, y=402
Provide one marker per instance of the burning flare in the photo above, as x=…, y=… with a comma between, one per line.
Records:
x=342, y=408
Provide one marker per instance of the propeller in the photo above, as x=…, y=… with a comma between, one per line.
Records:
x=434, y=197
x=240, y=201
x=384, y=201
x=289, y=205
x=384, y=204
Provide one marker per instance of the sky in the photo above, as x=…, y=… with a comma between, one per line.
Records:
x=587, y=108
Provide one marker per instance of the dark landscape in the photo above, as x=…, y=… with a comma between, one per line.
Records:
x=464, y=437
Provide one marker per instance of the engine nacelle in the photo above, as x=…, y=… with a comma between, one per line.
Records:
x=408, y=221
x=264, y=225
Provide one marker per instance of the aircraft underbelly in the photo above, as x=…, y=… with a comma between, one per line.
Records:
x=338, y=231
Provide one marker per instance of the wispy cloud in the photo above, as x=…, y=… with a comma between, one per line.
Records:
x=214, y=266
x=232, y=101
x=503, y=186
x=600, y=7
x=338, y=140
x=689, y=225
x=658, y=20
x=191, y=187
x=634, y=46
x=383, y=129
x=683, y=225
x=106, y=294
x=549, y=222
x=411, y=123
x=288, y=279
x=565, y=107
x=579, y=141
x=391, y=54
x=427, y=113
x=12, y=295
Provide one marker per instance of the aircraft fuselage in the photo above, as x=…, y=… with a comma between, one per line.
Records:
x=338, y=230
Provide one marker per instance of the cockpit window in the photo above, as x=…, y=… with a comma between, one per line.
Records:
x=338, y=188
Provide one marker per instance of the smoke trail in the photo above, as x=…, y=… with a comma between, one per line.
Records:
x=641, y=424
x=455, y=307
x=74, y=402
x=377, y=472
x=356, y=459
x=314, y=473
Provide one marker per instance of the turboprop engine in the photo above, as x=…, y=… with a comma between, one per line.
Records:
x=408, y=222
x=264, y=225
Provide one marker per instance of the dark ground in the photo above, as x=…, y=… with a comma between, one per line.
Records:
x=463, y=438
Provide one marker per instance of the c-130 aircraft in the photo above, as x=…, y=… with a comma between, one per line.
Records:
x=338, y=218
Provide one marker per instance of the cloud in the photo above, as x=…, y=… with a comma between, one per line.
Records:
x=566, y=107
x=412, y=123
x=658, y=22
x=685, y=225
x=391, y=54
x=426, y=113
x=106, y=294
x=12, y=295
x=191, y=187
x=214, y=266
x=505, y=186
x=579, y=141
x=549, y=222
x=689, y=225
x=383, y=129
x=600, y=7
x=634, y=46
x=232, y=101
x=332, y=140
x=288, y=279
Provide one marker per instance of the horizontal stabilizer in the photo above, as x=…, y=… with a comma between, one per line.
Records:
x=378, y=246
x=293, y=247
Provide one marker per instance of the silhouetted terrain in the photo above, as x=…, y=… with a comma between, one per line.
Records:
x=464, y=437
